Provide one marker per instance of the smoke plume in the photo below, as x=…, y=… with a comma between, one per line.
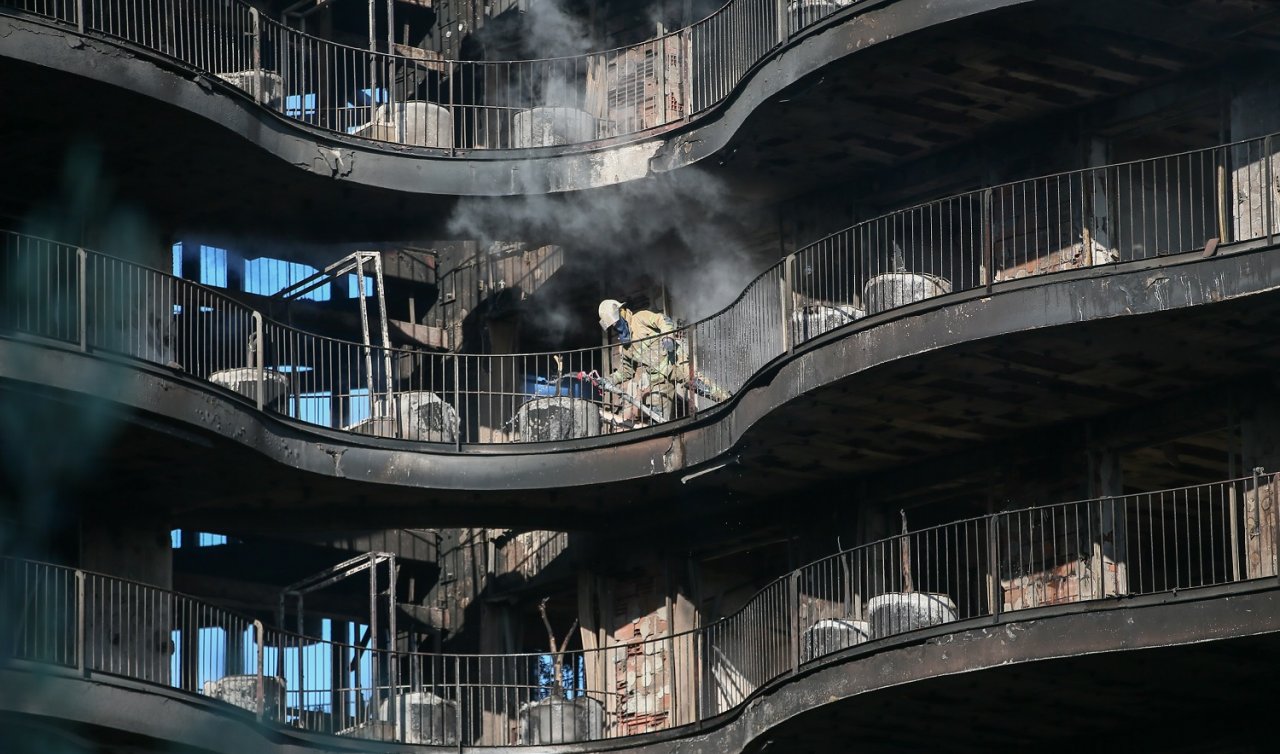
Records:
x=684, y=227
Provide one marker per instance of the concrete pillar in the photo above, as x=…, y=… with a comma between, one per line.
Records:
x=1062, y=554
x=128, y=626
x=647, y=677
x=1254, y=112
x=495, y=711
x=1260, y=448
x=1096, y=235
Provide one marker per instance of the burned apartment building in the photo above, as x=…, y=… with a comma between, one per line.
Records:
x=574, y=376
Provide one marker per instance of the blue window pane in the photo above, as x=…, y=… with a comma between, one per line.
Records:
x=294, y=105
x=358, y=405
x=177, y=260
x=353, y=286
x=213, y=266
x=313, y=408
x=267, y=276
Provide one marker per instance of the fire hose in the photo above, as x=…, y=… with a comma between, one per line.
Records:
x=605, y=384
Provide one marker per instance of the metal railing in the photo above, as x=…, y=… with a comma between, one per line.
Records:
x=978, y=240
x=996, y=565
x=402, y=95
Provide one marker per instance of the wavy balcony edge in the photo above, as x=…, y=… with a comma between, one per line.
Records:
x=685, y=445
x=113, y=704
x=884, y=289
x=1067, y=567
x=334, y=150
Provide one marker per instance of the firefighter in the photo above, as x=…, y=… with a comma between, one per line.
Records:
x=650, y=359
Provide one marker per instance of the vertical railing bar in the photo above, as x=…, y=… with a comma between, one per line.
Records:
x=785, y=301
x=988, y=242
x=81, y=663
x=82, y=258
x=1268, y=190
x=260, y=690
x=993, y=566
x=457, y=691
x=794, y=595
x=258, y=357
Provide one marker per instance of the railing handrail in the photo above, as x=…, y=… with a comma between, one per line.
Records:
x=785, y=606
x=453, y=61
x=863, y=243
x=779, y=13
x=747, y=605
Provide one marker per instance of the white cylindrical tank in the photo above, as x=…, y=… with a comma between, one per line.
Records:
x=413, y=415
x=417, y=123
x=423, y=717
x=244, y=380
x=551, y=126
x=242, y=691
x=550, y=418
x=893, y=289
x=812, y=320
x=898, y=612
x=827, y=636
x=561, y=721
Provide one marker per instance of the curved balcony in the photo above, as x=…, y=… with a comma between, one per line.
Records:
x=779, y=115
x=1184, y=566
x=451, y=108
x=959, y=255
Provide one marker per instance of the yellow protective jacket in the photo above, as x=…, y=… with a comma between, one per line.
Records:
x=645, y=352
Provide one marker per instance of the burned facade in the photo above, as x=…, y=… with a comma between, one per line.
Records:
x=639, y=376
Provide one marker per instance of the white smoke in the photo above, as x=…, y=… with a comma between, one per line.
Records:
x=682, y=227
x=550, y=31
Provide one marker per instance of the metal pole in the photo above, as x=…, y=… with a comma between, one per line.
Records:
x=373, y=65
x=301, y=645
x=1233, y=523
x=457, y=404
x=80, y=16
x=686, y=52
x=391, y=26
x=454, y=73
x=259, y=361
x=696, y=672
x=784, y=24
x=457, y=692
x=1222, y=202
x=988, y=242
x=1275, y=517
x=259, y=80
x=1268, y=190
x=364, y=332
x=993, y=566
x=373, y=630
x=81, y=664
x=691, y=394
x=402, y=125
x=393, y=666
x=670, y=665
x=794, y=593
x=786, y=303
x=82, y=259
x=382, y=320
x=260, y=694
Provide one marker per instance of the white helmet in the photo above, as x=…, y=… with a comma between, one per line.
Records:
x=610, y=313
